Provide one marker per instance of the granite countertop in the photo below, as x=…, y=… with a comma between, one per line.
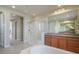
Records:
x=61, y=34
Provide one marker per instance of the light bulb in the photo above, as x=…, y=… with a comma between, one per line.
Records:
x=13, y=6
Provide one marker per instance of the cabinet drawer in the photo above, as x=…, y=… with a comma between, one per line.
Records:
x=47, y=41
x=73, y=45
x=54, y=42
x=63, y=44
x=71, y=42
x=73, y=49
x=74, y=40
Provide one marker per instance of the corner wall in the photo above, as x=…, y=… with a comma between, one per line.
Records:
x=6, y=25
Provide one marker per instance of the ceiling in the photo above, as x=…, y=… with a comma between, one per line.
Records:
x=35, y=10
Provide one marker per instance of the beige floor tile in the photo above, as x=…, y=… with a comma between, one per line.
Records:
x=15, y=48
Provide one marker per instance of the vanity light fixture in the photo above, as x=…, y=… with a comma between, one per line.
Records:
x=67, y=22
x=60, y=11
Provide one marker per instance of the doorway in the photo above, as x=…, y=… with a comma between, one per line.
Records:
x=16, y=31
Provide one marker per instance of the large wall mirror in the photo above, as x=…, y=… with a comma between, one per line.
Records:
x=67, y=26
x=62, y=23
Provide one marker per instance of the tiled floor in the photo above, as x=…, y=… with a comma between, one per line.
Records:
x=16, y=47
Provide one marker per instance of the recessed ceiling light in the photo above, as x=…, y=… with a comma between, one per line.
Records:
x=59, y=5
x=13, y=6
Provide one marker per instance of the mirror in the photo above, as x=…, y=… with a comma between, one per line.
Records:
x=62, y=23
x=67, y=26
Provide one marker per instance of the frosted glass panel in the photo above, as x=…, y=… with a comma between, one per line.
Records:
x=2, y=30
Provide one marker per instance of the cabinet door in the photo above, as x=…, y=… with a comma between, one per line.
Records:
x=73, y=45
x=63, y=43
x=54, y=42
x=48, y=40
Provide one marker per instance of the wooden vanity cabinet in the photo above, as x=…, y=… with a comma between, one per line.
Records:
x=48, y=40
x=54, y=43
x=73, y=45
x=63, y=42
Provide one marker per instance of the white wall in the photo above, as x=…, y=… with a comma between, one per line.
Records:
x=26, y=32
x=37, y=28
x=5, y=28
x=6, y=24
x=51, y=26
x=30, y=30
x=33, y=31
